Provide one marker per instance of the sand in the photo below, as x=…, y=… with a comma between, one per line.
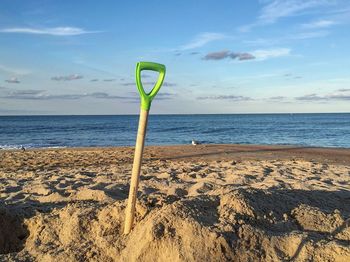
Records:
x=195, y=203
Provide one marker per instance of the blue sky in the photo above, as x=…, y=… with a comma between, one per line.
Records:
x=263, y=56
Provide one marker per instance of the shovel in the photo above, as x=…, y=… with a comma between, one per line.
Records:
x=146, y=100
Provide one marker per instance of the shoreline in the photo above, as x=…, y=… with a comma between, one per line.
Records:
x=210, y=152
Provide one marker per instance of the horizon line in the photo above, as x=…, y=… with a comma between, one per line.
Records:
x=284, y=113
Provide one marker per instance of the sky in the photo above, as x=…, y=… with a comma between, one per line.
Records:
x=256, y=56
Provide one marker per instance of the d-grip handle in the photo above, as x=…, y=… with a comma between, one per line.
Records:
x=146, y=99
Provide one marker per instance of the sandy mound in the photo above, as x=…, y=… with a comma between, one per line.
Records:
x=241, y=225
x=274, y=210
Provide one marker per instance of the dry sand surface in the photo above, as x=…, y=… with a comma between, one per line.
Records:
x=195, y=203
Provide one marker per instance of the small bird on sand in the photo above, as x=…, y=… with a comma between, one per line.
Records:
x=194, y=142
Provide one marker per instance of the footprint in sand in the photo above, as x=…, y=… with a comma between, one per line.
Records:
x=149, y=190
x=176, y=191
x=63, y=184
x=87, y=173
x=16, y=197
x=13, y=189
x=267, y=171
x=200, y=188
x=117, y=191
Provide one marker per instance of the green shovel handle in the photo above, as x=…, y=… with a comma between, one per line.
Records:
x=146, y=99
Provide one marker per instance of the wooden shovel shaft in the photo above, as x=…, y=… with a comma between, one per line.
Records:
x=136, y=168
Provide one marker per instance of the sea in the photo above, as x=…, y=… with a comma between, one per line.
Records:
x=315, y=130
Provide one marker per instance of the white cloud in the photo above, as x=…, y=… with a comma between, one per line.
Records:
x=14, y=71
x=56, y=31
x=202, y=39
x=329, y=97
x=67, y=78
x=309, y=35
x=285, y=39
x=227, y=54
x=277, y=9
x=319, y=24
x=226, y=97
x=271, y=53
x=42, y=95
x=241, y=56
x=13, y=80
x=273, y=10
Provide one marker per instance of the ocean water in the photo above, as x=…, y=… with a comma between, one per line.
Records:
x=323, y=130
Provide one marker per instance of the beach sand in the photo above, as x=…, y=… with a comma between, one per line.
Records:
x=195, y=203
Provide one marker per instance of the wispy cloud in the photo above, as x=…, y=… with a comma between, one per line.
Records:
x=94, y=80
x=344, y=90
x=105, y=96
x=290, y=76
x=43, y=95
x=67, y=78
x=13, y=80
x=165, y=95
x=129, y=84
x=136, y=97
x=226, y=97
x=271, y=53
x=217, y=55
x=160, y=96
x=109, y=80
x=143, y=75
x=202, y=39
x=227, y=54
x=277, y=98
x=308, y=35
x=276, y=9
x=319, y=24
x=331, y=97
x=241, y=56
x=168, y=84
x=14, y=71
x=286, y=39
x=273, y=10
x=55, y=31
x=23, y=94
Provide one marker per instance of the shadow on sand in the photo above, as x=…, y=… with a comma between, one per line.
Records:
x=321, y=215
